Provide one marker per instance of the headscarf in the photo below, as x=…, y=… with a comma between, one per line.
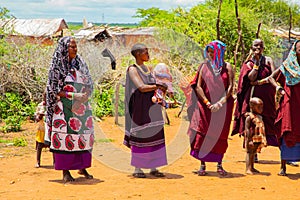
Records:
x=59, y=68
x=218, y=59
x=290, y=67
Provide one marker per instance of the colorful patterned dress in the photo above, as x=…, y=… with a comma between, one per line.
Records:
x=70, y=129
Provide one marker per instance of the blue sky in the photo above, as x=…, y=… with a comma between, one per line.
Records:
x=100, y=11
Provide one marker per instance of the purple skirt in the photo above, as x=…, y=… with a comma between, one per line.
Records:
x=148, y=157
x=210, y=157
x=272, y=140
x=72, y=161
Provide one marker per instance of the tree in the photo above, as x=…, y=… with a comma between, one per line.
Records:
x=23, y=67
x=199, y=23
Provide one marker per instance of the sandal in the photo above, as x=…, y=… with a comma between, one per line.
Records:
x=139, y=175
x=85, y=173
x=294, y=164
x=157, y=173
x=221, y=171
x=202, y=171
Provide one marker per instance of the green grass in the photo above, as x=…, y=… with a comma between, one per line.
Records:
x=105, y=140
x=5, y=141
x=18, y=142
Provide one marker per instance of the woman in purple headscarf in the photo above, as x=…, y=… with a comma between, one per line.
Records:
x=210, y=110
x=69, y=115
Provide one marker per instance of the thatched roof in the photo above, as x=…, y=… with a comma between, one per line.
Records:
x=285, y=33
x=33, y=27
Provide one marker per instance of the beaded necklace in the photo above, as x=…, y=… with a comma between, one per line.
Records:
x=259, y=61
x=142, y=70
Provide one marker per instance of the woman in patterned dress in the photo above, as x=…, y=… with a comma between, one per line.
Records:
x=69, y=114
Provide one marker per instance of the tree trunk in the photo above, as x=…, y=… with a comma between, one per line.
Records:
x=218, y=20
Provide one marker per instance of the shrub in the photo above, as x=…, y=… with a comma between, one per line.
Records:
x=20, y=142
x=102, y=102
x=13, y=111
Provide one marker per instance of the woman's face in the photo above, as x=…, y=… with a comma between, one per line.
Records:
x=210, y=53
x=258, y=46
x=72, y=49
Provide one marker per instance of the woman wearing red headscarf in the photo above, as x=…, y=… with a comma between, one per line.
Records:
x=210, y=109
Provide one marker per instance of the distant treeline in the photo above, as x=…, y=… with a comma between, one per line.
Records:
x=78, y=25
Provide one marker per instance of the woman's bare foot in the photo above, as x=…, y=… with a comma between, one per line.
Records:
x=85, y=173
x=67, y=176
x=282, y=172
x=37, y=165
x=255, y=170
x=249, y=171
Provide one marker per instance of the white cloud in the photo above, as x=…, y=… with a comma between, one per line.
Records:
x=106, y=11
x=58, y=2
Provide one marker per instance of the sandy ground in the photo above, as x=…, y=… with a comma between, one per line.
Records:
x=112, y=172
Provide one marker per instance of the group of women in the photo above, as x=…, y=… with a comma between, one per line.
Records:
x=212, y=104
x=210, y=109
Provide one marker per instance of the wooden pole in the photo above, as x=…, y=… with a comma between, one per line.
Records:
x=117, y=95
x=290, y=28
x=258, y=31
x=218, y=20
x=239, y=41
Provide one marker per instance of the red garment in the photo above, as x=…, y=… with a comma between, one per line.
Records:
x=265, y=92
x=209, y=130
x=289, y=113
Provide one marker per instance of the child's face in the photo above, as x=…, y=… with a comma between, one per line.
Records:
x=144, y=55
x=258, y=107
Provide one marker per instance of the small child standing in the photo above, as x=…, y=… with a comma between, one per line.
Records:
x=40, y=133
x=255, y=137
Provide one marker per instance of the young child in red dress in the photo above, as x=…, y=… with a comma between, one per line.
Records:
x=255, y=137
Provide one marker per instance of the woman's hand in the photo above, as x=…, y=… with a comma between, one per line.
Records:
x=280, y=90
x=215, y=107
x=251, y=144
x=162, y=86
x=254, y=82
x=81, y=97
x=76, y=105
